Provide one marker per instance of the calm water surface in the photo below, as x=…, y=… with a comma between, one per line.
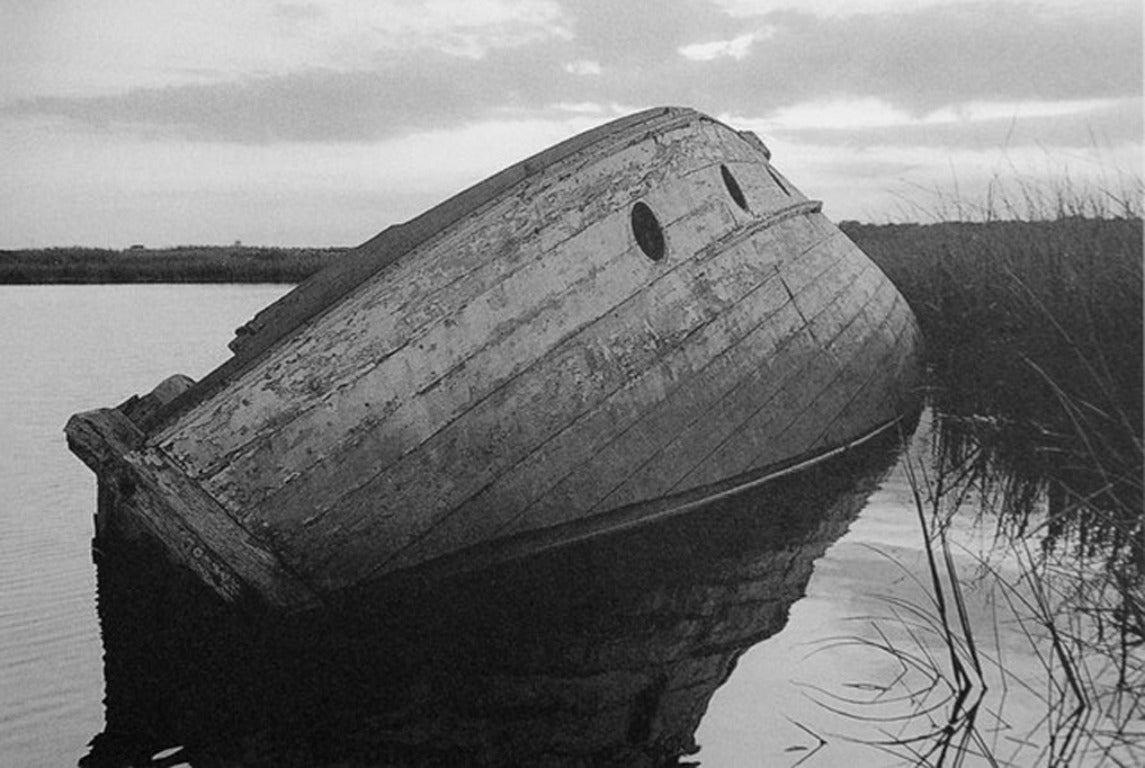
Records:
x=747, y=635
x=64, y=349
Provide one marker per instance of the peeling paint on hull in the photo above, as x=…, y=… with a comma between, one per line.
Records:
x=635, y=320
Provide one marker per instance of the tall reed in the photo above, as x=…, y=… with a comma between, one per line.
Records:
x=1034, y=336
x=1034, y=326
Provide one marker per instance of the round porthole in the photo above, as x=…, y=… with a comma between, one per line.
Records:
x=649, y=234
x=733, y=188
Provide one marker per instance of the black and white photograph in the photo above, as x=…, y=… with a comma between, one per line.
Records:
x=552, y=383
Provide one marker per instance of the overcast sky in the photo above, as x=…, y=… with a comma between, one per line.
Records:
x=320, y=123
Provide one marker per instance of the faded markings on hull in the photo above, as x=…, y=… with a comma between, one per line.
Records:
x=700, y=368
x=589, y=484
x=497, y=510
x=314, y=432
x=408, y=400
x=150, y=495
x=414, y=505
x=881, y=392
x=780, y=430
x=309, y=369
x=487, y=370
x=497, y=502
x=278, y=321
x=774, y=349
x=764, y=391
x=501, y=430
x=862, y=362
x=444, y=277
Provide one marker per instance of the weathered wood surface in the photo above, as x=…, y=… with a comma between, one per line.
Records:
x=325, y=289
x=140, y=491
x=526, y=364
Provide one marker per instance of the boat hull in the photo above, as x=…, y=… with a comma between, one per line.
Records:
x=612, y=331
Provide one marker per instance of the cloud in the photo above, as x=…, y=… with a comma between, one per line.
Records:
x=736, y=48
x=321, y=121
x=526, y=57
x=105, y=189
x=885, y=182
x=401, y=95
x=640, y=35
x=81, y=50
x=930, y=77
x=937, y=56
x=848, y=8
x=865, y=123
x=298, y=12
x=583, y=67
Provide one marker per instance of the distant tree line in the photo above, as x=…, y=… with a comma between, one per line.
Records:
x=181, y=264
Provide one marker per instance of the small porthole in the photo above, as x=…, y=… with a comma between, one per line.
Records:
x=649, y=235
x=733, y=188
x=779, y=181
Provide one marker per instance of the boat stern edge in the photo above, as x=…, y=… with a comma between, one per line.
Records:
x=141, y=494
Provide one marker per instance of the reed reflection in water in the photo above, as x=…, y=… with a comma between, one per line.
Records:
x=606, y=652
x=1013, y=631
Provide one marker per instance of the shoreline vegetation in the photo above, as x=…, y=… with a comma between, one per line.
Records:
x=179, y=264
x=921, y=258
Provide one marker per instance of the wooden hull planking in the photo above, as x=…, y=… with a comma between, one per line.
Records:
x=528, y=365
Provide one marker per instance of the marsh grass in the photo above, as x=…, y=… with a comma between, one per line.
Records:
x=1059, y=288
x=1034, y=342
x=1034, y=337
x=183, y=264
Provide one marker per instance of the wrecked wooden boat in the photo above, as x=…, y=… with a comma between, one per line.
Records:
x=625, y=326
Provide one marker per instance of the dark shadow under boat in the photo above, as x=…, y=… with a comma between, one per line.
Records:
x=604, y=652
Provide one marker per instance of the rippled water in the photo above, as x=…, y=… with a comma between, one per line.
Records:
x=64, y=349
x=744, y=636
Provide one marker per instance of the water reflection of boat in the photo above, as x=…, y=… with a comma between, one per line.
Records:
x=605, y=652
x=636, y=320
